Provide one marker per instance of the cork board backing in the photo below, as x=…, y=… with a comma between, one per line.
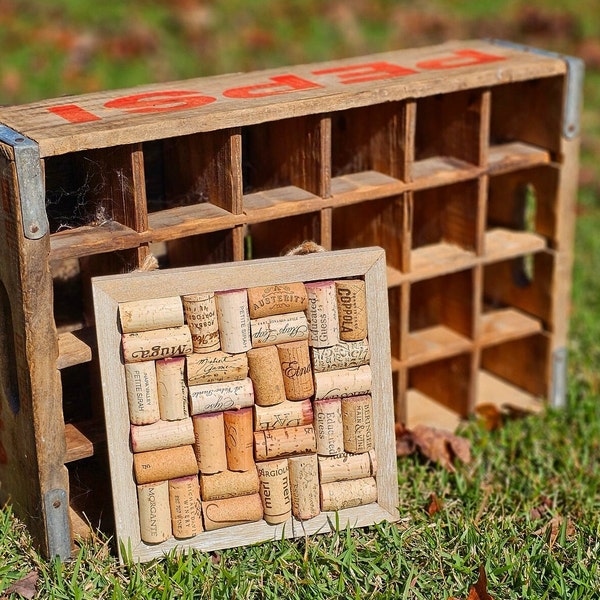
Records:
x=109, y=291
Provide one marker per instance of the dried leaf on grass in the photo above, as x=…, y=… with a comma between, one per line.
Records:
x=554, y=527
x=25, y=587
x=494, y=417
x=437, y=445
x=479, y=590
x=539, y=511
x=435, y=505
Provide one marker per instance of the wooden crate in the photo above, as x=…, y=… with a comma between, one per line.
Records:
x=460, y=160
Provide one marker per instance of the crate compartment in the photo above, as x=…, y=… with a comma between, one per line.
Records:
x=91, y=506
x=369, y=147
x=94, y=197
x=448, y=134
x=440, y=393
x=441, y=321
x=516, y=372
x=524, y=203
x=283, y=162
x=78, y=388
x=278, y=237
x=209, y=248
x=517, y=296
x=200, y=170
x=526, y=117
x=444, y=226
x=382, y=223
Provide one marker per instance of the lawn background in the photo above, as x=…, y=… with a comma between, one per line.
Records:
x=528, y=507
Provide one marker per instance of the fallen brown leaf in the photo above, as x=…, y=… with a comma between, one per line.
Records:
x=25, y=586
x=437, y=445
x=441, y=446
x=435, y=505
x=405, y=445
x=493, y=416
x=537, y=512
x=490, y=415
x=554, y=526
x=479, y=590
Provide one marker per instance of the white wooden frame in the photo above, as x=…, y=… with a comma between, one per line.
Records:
x=111, y=290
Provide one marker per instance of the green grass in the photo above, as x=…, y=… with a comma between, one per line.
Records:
x=488, y=518
x=496, y=512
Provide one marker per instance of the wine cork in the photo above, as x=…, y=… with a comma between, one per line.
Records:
x=343, y=383
x=184, y=500
x=172, y=391
x=296, y=369
x=347, y=466
x=216, y=367
x=275, y=490
x=344, y=355
x=279, y=329
x=154, y=512
x=160, y=465
x=234, y=320
x=328, y=426
x=352, y=309
x=239, y=439
x=276, y=299
x=146, y=315
x=201, y=316
x=324, y=327
x=304, y=482
x=156, y=344
x=162, y=434
x=209, y=446
x=229, y=484
x=277, y=443
x=266, y=375
x=357, y=417
x=231, y=511
x=338, y=495
x=142, y=392
x=217, y=397
x=286, y=414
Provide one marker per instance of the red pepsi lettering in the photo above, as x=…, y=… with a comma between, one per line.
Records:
x=163, y=101
x=367, y=72
x=74, y=113
x=281, y=84
x=459, y=58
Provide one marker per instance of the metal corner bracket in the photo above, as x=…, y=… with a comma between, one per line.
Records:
x=558, y=393
x=574, y=91
x=31, y=182
x=56, y=507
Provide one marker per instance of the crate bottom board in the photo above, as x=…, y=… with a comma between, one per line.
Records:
x=423, y=410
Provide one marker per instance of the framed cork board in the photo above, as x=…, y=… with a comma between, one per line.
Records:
x=248, y=401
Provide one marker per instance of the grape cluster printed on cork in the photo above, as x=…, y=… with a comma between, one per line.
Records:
x=249, y=404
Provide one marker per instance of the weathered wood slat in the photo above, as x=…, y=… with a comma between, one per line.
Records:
x=82, y=439
x=75, y=348
x=120, y=123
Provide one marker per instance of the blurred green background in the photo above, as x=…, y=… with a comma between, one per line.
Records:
x=55, y=47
